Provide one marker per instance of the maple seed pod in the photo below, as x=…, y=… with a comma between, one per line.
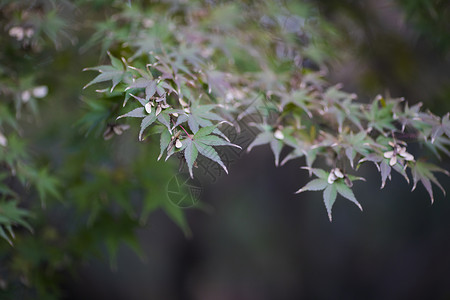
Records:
x=405, y=155
x=117, y=130
x=278, y=134
x=148, y=107
x=392, y=155
x=393, y=161
x=388, y=154
x=331, y=178
x=182, y=102
x=178, y=144
x=158, y=110
x=335, y=174
x=338, y=173
x=108, y=134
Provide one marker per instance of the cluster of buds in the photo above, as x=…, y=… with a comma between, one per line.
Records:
x=113, y=129
x=19, y=33
x=37, y=92
x=397, y=151
x=336, y=174
x=159, y=107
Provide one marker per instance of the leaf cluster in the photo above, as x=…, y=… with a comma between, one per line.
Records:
x=265, y=80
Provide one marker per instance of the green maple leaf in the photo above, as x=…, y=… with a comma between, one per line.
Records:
x=423, y=172
x=165, y=139
x=202, y=142
x=381, y=118
x=439, y=143
x=115, y=73
x=189, y=54
x=146, y=83
x=11, y=215
x=384, y=168
x=330, y=190
x=356, y=143
x=347, y=110
x=201, y=116
x=148, y=119
x=340, y=104
x=217, y=82
x=145, y=44
x=268, y=136
x=410, y=116
x=300, y=98
x=441, y=127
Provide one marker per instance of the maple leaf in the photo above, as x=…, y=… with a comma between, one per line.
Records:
x=440, y=143
x=441, y=127
x=177, y=60
x=189, y=54
x=296, y=153
x=164, y=142
x=146, y=43
x=381, y=118
x=202, y=142
x=149, y=116
x=356, y=143
x=384, y=167
x=115, y=73
x=268, y=136
x=423, y=172
x=330, y=188
x=217, y=82
x=300, y=98
x=147, y=83
x=301, y=147
x=201, y=116
x=410, y=116
x=340, y=105
x=11, y=215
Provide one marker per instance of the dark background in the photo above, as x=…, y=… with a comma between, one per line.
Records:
x=257, y=240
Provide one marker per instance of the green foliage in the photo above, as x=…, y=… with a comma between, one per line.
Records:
x=184, y=70
x=301, y=112
x=332, y=183
x=11, y=215
x=431, y=18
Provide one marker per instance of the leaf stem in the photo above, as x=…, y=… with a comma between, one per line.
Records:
x=189, y=136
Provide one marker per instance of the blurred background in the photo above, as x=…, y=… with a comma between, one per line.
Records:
x=262, y=242
x=253, y=238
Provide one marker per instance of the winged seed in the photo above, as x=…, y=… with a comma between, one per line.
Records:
x=148, y=107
